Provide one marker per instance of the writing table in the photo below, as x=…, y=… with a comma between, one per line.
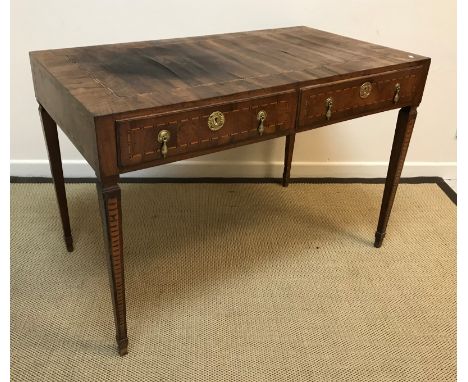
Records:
x=137, y=105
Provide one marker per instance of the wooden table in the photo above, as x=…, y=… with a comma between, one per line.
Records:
x=137, y=105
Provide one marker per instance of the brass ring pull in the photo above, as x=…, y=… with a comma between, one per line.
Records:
x=396, y=97
x=328, y=105
x=215, y=121
x=261, y=116
x=163, y=138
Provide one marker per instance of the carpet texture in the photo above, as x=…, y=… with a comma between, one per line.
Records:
x=237, y=282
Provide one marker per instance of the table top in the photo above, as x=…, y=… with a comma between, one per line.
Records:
x=116, y=78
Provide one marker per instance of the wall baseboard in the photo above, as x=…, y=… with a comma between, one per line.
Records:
x=250, y=169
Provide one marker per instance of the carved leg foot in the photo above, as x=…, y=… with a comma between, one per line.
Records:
x=69, y=243
x=111, y=213
x=403, y=131
x=49, y=128
x=123, y=346
x=288, y=154
x=378, y=239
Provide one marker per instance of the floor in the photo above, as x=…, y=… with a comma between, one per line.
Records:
x=237, y=282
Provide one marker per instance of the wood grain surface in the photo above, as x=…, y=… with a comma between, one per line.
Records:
x=117, y=78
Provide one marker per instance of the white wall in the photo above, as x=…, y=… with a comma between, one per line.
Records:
x=355, y=148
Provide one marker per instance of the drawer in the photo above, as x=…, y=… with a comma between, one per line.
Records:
x=170, y=136
x=341, y=100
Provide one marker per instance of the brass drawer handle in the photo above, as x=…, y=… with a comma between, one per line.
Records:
x=215, y=121
x=261, y=116
x=328, y=105
x=163, y=138
x=396, y=97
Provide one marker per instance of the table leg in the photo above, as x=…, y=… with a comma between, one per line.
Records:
x=403, y=131
x=49, y=128
x=288, y=153
x=111, y=213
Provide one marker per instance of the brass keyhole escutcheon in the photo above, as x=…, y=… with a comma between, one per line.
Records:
x=328, y=106
x=261, y=116
x=396, y=97
x=365, y=90
x=163, y=138
x=215, y=121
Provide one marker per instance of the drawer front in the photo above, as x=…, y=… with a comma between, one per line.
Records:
x=330, y=103
x=202, y=129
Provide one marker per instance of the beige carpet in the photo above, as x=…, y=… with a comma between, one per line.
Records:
x=237, y=282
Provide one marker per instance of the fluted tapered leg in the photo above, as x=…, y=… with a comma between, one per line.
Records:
x=288, y=154
x=403, y=131
x=111, y=213
x=49, y=128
